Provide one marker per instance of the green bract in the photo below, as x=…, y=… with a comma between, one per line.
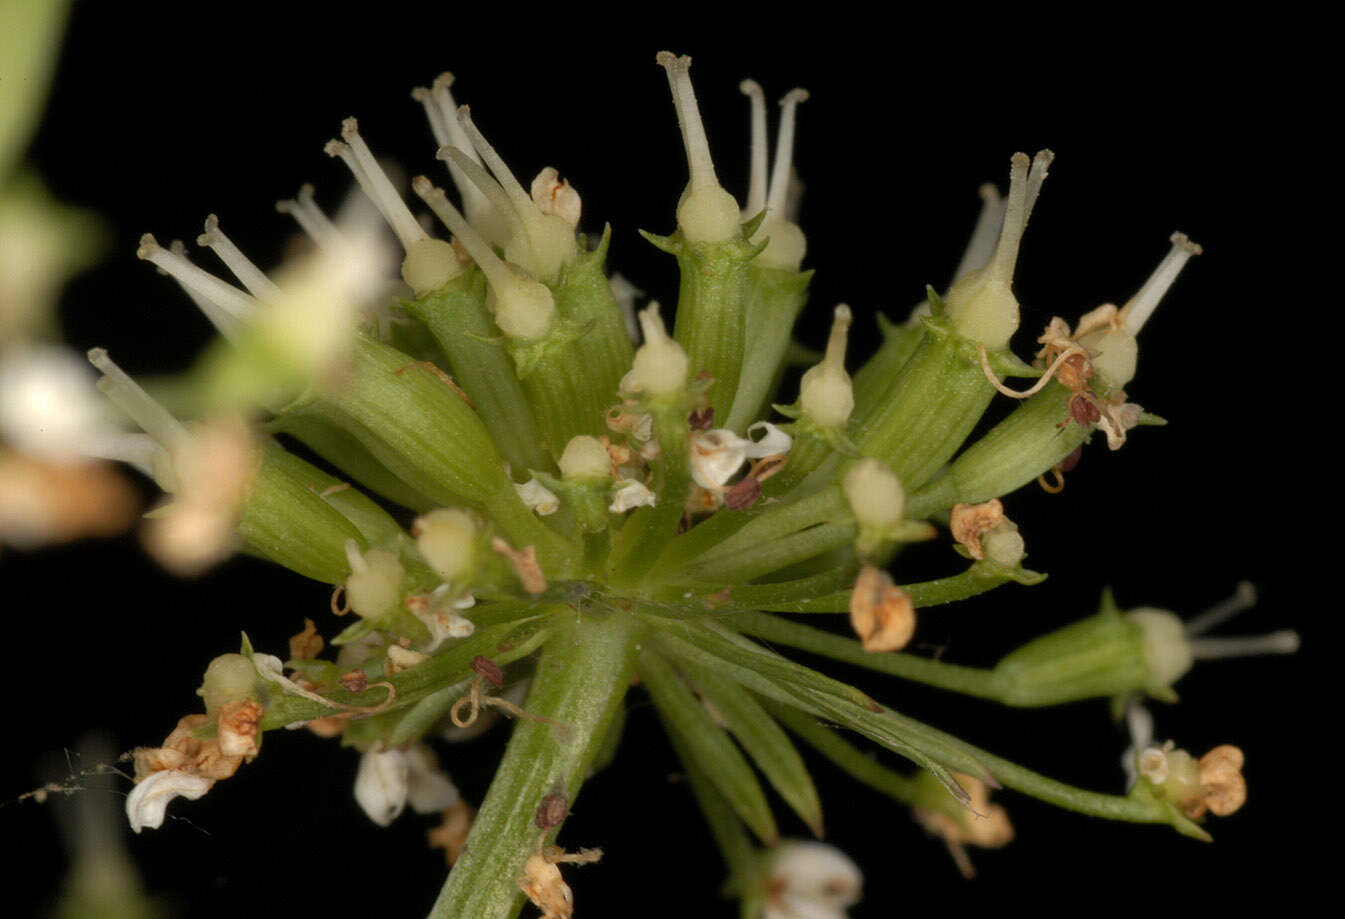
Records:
x=569, y=509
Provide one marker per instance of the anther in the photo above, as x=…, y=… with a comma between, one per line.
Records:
x=784, y=151
x=357, y=156
x=128, y=396
x=756, y=183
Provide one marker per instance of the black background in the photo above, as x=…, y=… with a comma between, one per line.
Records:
x=160, y=115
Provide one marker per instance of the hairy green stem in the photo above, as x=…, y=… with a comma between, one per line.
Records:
x=581, y=680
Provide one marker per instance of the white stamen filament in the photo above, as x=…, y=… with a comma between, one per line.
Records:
x=784, y=151
x=689, y=119
x=374, y=182
x=448, y=110
x=311, y=219
x=224, y=305
x=128, y=396
x=1140, y=307
x=432, y=114
x=441, y=108
x=986, y=233
x=478, y=178
x=518, y=195
x=1015, y=220
x=1041, y=164
x=1283, y=642
x=756, y=183
x=253, y=278
x=1243, y=599
x=840, y=334
x=138, y=450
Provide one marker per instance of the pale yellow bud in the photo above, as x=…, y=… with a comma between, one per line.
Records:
x=524, y=308
x=228, y=678
x=429, y=265
x=585, y=458
x=875, y=495
x=826, y=394
x=374, y=587
x=1116, y=354
x=1167, y=652
x=660, y=364
x=447, y=539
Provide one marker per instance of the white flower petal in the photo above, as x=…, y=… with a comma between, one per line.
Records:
x=715, y=456
x=816, y=873
x=429, y=789
x=148, y=802
x=631, y=494
x=772, y=443
x=538, y=497
x=382, y=784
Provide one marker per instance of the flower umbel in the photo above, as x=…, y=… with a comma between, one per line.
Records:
x=531, y=508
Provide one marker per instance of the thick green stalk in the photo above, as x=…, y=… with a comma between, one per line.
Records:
x=774, y=298
x=584, y=297
x=711, y=320
x=873, y=380
x=461, y=322
x=314, y=427
x=1035, y=437
x=935, y=402
x=286, y=522
x=581, y=680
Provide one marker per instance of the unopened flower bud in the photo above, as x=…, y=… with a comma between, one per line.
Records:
x=228, y=678
x=826, y=394
x=875, y=495
x=430, y=264
x=585, y=458
x=447, y=539
x=660, y=365
x=374, y=587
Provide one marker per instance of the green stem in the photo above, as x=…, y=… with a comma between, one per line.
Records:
x=581, y=680
x=970, y=681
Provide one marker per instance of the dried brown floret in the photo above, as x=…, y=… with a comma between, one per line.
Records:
x=307, y=644
x=969, y=521
x=881, y=613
